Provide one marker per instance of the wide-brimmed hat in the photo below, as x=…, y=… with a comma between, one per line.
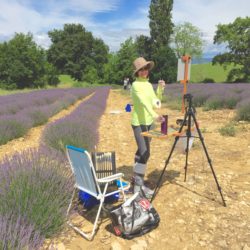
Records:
x=140, y=63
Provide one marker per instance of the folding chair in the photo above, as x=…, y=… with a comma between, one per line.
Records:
x=87, y=181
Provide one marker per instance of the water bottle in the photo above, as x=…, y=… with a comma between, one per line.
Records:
x=128, y=108
x=164, y=125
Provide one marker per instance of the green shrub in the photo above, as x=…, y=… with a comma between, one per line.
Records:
x=208, y=80
x=228, y=130
x=79, y=84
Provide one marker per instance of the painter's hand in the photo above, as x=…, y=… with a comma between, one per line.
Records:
x=160, y=118
x=161, y=83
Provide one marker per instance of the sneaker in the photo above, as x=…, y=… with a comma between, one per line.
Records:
x=146, y=183
x=144, y=191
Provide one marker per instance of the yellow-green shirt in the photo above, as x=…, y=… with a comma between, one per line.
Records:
x=144, y=99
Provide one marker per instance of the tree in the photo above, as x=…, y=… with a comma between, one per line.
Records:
x=74, y=49
x=22, y=63
x=161, y=28
x=122, y=62
x=187, y=40
x=110, y=76
x=236, y=36
x=165, y=65
x=144, y=46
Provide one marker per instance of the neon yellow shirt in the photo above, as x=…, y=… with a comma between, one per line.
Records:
x=144, y=99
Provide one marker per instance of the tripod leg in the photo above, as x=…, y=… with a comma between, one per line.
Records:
x=208, y=159
x=188, y=133
x=166, y=163
x=168, y=159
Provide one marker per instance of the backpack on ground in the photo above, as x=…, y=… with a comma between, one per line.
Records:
x=134, y=218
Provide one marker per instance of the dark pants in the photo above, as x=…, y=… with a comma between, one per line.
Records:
x=143, y=143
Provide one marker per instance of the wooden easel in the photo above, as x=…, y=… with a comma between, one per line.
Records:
x=186, y=59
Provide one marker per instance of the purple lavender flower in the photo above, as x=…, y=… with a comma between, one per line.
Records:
x=20, y=112
x=213, y=96
x=17, y=233
x=80, y=128
x=36, y=185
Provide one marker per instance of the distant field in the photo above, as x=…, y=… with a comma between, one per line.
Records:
x=199, y=72
x=66, y=81
x=7, y=92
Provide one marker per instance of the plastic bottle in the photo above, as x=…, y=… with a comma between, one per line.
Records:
x=164, y=125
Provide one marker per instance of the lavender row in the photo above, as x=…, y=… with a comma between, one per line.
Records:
x=35, y=190
x=79, y=128
x=36, y=185
x=21, y=112
x=12, y=104
x=214, y=96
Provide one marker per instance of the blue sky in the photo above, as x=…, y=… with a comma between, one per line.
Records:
x=113, y=20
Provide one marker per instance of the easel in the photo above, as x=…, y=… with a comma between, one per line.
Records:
x=186, y=59
x=189, y=119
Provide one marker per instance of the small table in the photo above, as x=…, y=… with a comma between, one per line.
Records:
x=157, y=134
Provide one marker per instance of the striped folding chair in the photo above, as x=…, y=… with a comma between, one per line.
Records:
x=87, y=181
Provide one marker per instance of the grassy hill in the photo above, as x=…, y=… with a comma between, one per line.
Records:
x=199, y=72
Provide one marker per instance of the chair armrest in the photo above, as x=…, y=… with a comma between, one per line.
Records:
x=110, y=178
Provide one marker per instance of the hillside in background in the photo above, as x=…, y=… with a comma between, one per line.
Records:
x=201, y=60
x=218, y=73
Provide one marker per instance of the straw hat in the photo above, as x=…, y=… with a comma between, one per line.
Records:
x=140, y=63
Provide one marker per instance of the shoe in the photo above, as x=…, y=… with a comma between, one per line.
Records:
x=144, y=191
x=147, y=183
x=141, y=188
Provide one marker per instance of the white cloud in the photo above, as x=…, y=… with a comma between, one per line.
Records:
x=206, y=15
x=92, y=6
x=116, y=32
x=23, y=16
x=39, y=17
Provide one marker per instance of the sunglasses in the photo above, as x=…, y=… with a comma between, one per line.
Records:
x=144, y=68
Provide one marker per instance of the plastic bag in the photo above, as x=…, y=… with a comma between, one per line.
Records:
x=134, y=218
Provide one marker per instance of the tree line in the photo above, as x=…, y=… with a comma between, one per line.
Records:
x=76, y=52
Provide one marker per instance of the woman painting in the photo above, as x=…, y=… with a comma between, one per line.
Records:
x=143, y=116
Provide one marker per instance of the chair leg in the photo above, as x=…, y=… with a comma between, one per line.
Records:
x=88, y=236
x=123, y=193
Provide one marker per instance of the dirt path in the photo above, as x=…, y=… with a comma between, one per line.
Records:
x=192, y=216
x=32, y=138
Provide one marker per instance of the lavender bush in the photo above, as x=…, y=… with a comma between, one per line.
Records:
x=243, y=111
x=80, y=127
x=17, y=234
x=36, y=185
x=20, y=112
x=213, y=96
x=13, y=127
